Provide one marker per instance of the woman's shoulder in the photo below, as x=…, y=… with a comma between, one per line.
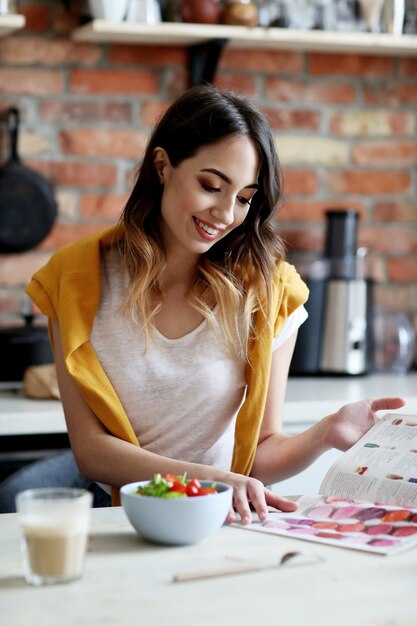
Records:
x=291, y=290
x=286, y=275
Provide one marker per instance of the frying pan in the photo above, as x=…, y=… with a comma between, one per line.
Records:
x=27, y=204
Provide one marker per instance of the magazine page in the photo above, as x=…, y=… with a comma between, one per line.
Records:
x=380, y=467
x=345, y=523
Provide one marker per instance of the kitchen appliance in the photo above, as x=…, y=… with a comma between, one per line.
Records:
x=27, y=204
x=21, y=347
x=337, y=336
x=394, y=342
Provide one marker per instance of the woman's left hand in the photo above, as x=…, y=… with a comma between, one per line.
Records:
x=349, y=423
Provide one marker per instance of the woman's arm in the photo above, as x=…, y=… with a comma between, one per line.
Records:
x=102, y=457
x=279, y=455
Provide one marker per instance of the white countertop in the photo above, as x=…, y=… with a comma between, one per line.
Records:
x=308, y=400
x=129, y=582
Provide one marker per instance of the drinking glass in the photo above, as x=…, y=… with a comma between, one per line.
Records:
x=55, y=524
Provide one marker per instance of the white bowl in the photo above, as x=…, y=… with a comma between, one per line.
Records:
x=179, y=521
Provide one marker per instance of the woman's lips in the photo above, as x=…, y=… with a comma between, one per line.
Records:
x=206, y=230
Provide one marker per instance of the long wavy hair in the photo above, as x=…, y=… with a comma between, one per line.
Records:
x=237, y=272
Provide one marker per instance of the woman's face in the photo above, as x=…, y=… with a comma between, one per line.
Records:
x=207, y=195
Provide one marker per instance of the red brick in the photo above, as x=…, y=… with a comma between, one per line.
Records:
x=402, y=269
x=130, y=177
x=368, y=182
x=389, y=240
x=114, y=82
x=84, y=111
x=299, y=182
x=77, y=174
x=103, y=143
x=42, y=51
x=67, y=203
x=384, y=153
x=398, y=297
x=298, y=119
x=17, y=269
x=395, y=211
x=387, y=94
x=241, y=83
x=148, y=55
x=152, y=110
x=296, y=91
x=62, y=234
x=296, y=210
x=349, y=64
x=36, y=15
x=407, y=67
x=10, y=300
x=33, y=82
x=309, y=239
x=107, y=206
x=378, y=122
x=177, y=81
x=266, y=61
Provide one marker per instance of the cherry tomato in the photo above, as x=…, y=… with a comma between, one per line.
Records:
x=205, y=491
x=193, y=487
x=171, y=478
x=178, y=486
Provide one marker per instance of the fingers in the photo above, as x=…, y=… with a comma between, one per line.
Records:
x=258, y=500
x=278, y=502
x=231, y=517
x=241, y=504
x=252, y=493
x=383, y=404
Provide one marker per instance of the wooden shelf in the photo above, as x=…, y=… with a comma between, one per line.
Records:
x=11, y=23
x=170, y=33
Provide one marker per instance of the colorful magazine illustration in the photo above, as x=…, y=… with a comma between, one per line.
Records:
x=368, y=498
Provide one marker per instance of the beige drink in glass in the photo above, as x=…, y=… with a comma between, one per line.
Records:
x=55, y=524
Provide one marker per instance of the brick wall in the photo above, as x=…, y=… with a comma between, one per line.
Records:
x=345, y=124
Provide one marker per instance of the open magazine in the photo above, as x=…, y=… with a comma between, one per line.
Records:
x=368, y=497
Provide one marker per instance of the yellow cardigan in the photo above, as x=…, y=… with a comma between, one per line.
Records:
x=67, y=289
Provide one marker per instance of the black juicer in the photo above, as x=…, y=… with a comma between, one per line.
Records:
x=337, y=336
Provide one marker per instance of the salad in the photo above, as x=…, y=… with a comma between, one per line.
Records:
x=175, y=486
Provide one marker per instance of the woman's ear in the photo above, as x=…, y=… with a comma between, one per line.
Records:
x=160, y=159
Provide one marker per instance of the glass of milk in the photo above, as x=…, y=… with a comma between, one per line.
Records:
x=55, y=523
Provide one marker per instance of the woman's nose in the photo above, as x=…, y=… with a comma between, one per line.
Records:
x=224, y=211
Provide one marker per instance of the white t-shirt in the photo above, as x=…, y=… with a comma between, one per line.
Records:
x=181, y=395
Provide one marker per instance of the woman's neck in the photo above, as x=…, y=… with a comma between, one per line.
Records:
x=180, y=272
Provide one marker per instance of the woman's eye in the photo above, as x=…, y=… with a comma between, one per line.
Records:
x=244, y=201
x=209, y=188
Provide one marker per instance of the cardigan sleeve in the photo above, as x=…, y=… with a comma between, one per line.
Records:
x=292, y=292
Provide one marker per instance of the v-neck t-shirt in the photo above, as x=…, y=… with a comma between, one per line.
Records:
x=181, y=395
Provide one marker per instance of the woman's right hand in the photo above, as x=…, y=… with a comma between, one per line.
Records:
x=251, y=493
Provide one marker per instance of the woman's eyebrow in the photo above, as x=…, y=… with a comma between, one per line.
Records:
x=226, y=179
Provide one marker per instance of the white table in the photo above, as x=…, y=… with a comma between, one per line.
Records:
x=128, y=582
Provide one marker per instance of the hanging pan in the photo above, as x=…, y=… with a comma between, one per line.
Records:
x=27, y=204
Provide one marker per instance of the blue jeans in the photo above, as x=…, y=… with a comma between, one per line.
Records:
x=59, y=470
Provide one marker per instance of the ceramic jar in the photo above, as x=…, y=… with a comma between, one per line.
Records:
x=201, y=11
x=241, y=13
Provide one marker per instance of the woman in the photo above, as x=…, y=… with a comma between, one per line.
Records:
x=173, y=332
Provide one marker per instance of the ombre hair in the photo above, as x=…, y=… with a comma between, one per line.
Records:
x=237, y=272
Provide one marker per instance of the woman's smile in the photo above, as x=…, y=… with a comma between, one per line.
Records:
x=207, y=231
